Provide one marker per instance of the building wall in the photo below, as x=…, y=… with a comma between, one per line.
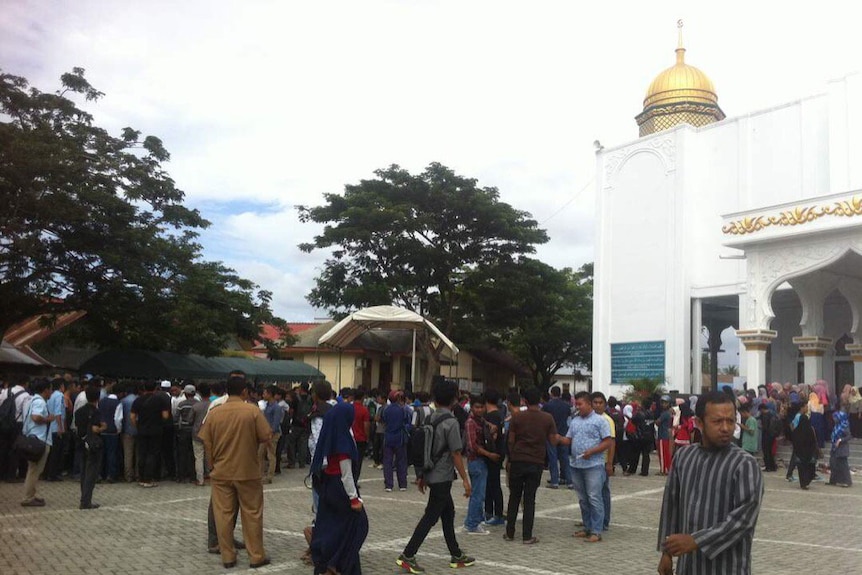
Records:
x=660, y=206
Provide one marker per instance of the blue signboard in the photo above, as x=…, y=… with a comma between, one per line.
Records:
x=636, y=360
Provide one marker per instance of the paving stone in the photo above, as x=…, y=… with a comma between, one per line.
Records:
x=163, y=530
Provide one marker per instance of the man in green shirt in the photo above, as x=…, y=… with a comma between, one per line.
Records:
x=749, y=430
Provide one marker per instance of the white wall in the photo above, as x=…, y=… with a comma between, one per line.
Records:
x=660, y=206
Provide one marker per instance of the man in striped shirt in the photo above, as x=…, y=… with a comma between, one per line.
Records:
x=711, y=499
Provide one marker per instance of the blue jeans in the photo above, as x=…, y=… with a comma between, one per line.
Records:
x=558, y=460
x=588, y=483
x=478, y=471
x=606, y=501
x=395, y=458
x=111, y=466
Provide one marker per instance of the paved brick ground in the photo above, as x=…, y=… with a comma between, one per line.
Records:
x=163, y=530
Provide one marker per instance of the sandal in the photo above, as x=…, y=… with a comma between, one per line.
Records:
x=531, y=541
x=581, y=534
x=594, y=538
x=306, y=556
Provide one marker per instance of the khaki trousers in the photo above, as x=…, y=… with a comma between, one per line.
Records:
x=198, y=448
x=129, y=467
x=34, y=470
x=266, y=452
x=248, y=495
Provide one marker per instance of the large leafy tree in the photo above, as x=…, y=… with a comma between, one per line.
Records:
x=412, y=240
x=542, y=315
x=91, y=221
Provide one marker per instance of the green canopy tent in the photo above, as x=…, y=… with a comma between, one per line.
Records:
x=139, y=364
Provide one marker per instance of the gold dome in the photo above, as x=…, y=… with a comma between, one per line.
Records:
x=682, y=94
x=680, y=83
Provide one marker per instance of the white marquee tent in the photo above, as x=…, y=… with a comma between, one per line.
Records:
x=384, y=317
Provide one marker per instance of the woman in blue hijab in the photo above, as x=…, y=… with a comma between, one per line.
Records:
x=341, y=525
x=838, y=463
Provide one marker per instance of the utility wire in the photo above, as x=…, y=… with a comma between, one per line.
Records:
x=572, y=199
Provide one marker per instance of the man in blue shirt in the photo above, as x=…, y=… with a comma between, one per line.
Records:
x=589, y=436
x=36, y=422
x=128, y=393
x=558, y=455
x=397, y=420
x=274, y=413
x=57, y=429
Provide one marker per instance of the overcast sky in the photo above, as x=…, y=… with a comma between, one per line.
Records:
x=268, y=105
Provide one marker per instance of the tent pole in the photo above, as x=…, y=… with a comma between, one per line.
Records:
x=413, y=363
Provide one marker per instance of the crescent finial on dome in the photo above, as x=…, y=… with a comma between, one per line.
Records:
x=681, y=94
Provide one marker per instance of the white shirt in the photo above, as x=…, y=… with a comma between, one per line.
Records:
x=118, y=414
x=80, y=401
x=21, y=402
x=175, y=402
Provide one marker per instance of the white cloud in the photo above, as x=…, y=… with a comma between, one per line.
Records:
x=279, y=102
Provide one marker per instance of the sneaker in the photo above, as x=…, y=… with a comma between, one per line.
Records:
x=462, y=561
x=402, y=489
x=552, y=486
x=478, y=530
x=409, y=564
x=388, y=490
x=494, y=521
x=790, y=479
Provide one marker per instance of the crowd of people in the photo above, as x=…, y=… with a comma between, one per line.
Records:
x=100, y=430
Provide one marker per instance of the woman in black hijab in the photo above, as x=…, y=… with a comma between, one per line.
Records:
x=804, y=444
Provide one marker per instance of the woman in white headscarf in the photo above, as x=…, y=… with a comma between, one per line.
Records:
x=630, y=447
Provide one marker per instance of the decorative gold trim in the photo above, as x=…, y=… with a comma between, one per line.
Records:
x=813, y=352
x=795, y=217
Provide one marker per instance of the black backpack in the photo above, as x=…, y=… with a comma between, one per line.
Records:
x=420, y=451
x=186, y=416
x=8, y=423
x=774, y=425
x=646, y=427
x=619, y=423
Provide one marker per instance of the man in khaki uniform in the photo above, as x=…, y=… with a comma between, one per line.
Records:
x=231, y=435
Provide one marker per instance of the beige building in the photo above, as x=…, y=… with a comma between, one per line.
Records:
x=383, y=360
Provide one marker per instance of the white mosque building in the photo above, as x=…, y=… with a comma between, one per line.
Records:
x=752, y=222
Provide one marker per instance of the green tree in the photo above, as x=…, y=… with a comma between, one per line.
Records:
x=93, y=222
x=643, y=388
x=543, y=316
x=730, y=370
x=411, y=240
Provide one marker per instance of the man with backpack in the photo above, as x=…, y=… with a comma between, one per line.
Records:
x=14, y=400
x=184, y=421
x=421, y=412
x=439, y=466
x=645, y=420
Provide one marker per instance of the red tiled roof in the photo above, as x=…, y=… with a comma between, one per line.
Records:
x=274, y=333
x=31, y=331
x=299, y=327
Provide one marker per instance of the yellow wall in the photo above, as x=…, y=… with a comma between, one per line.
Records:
x=328, y=362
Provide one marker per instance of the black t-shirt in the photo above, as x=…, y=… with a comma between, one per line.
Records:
x=148, y=409
x=86, y=418
x=495, y=418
